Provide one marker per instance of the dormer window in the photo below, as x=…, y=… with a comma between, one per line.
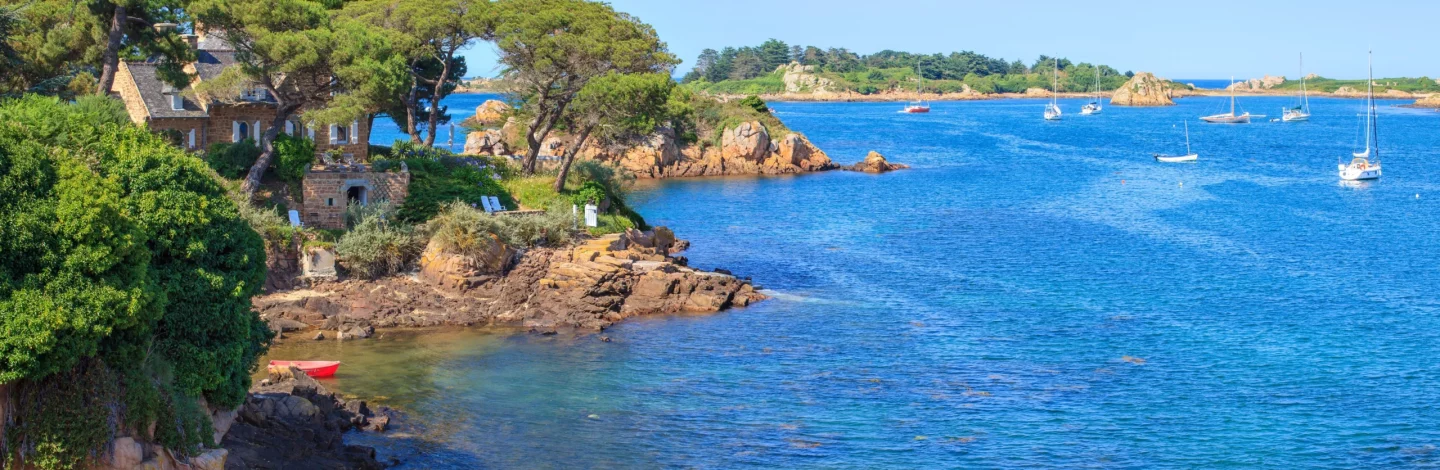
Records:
x=254, y=94
x=177, y=102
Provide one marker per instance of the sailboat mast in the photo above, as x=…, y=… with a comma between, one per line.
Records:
x=1187, y=138
x=1371, y=129
x=1232, y=95
x=1304, y=97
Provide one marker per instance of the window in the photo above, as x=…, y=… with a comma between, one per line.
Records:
x=177, y=102
x=330, y=201
x=241, y=131
x=342, y=135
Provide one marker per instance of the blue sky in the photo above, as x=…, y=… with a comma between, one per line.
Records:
x=1188, y=40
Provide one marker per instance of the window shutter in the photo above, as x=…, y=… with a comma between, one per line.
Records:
x=354, y=132
x=257, y=132
x=234, y=131
x=192, y=138
x=334, y=129
x=311, y=130
x=289, y=127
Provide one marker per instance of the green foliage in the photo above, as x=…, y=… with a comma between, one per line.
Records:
x=460, y=228
x=589, y=193
x=376, y=248
x=439, y=181
x=611, y=223
x=117, y=246
x=293, y=157
x=232, y=160
x=62, y=420
x=755, y=103
x=1382, y=85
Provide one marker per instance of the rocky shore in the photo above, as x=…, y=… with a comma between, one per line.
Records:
x=290, y=421
x=589, y=286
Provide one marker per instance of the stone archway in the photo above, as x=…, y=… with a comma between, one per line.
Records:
x=358, y=194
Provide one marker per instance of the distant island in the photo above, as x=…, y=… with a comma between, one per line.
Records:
x=774, y=68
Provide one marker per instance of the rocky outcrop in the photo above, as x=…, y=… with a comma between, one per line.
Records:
x=491, y=113
x=291, y=421
x=486, y=142
x=1144, y=89
x=587, y=286
x=1257, y=84
x=747, y=148
x=875, y=163
x=1347, y=92
x=1432, y=101
x=801, y=79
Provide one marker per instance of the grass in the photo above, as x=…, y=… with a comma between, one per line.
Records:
x=1329, y=85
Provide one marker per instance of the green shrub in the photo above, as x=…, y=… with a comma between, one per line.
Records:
x=436, y=182
x=119, y=248
x=232, y=160
x=293, y=157
x=458, y=228
x=589, y=193
x=376, y=248
x=755, y=103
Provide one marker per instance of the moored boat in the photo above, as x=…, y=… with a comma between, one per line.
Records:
x=917, y=106
x=1093, y=107
x=310, y=368
x=1361, y=166
x=1052, y=110
x=1231, y=117
x=1187, y=157
x=1301, y=111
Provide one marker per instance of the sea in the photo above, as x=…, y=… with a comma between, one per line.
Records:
x=1028, y=294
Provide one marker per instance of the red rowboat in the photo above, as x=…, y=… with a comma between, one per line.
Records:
x=310, y=368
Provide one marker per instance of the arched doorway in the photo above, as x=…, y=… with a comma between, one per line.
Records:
x=357, y=195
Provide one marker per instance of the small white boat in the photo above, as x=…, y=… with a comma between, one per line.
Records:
x=1187, y=157
x=918, y=106
x=1052, y=110
x=1093, y=107
x=1301, y=111
x=1361, y=166
x=1231, y=117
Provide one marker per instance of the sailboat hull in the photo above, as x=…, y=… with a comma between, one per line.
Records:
x=1089, y=110
x=1354, y=172
x=1295, y=117
x=917, y=109
x=1176, y=158
x=1227, y=119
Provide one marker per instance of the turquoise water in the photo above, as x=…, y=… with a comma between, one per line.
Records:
x=1030, y=294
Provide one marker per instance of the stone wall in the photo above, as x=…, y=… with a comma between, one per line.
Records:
x=129, y=94
x=223, y=117
x=326, y=190
x=185, y=125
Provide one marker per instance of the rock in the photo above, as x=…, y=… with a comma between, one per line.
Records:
x=285, y=324
x=875, y=163
x=356, y=332
x=796, y=151
x=213, y=459
x=801, y=79
x=1037, y=92
x=1144, y=89
x=1346, y=91
x=1432, y=101
x=124, y=453
x=319, y=336
x=453, y=271
x=292, y=421
x=747, y=141
x=486, y=142
x=1259, y=84
x=1398, y=94
x=489, y=113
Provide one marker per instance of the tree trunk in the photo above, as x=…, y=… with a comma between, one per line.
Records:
x=110, y=61
x=535, y=138
x=267, y=144
x=570, y=158
x=437, y=94
x=412, y=102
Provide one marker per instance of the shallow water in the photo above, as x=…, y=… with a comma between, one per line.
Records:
x=1031, y=293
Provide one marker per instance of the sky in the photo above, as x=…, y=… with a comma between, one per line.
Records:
x=1177, y=40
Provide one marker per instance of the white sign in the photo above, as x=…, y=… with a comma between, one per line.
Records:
x=592, y=217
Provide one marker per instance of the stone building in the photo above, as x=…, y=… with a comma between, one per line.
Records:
x=329, y=189
x=199, y=120
x=202, y=120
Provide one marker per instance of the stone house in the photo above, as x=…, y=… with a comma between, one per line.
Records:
x=199, y=121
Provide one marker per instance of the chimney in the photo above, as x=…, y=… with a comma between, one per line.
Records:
x=192, y=40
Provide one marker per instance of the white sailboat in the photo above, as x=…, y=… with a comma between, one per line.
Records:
x=1093, y=107
x=917, y=106
x=1361, y=166
x=1231, y=117
x=1187, y=157
x=1301, y=112
x=1052, y=110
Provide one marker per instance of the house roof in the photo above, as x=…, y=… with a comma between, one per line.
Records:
x=211, y=63
x=214, y=40
x=154, y=92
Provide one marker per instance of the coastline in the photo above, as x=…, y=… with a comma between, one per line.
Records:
x=910, y=96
